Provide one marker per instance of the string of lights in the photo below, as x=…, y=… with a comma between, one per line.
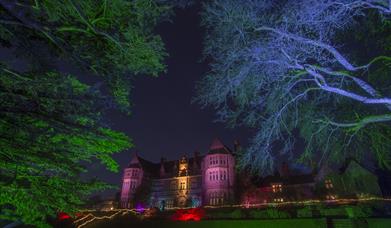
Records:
x=93, y=217
x=306, y=202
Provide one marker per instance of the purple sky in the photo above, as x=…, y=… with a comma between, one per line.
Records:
x=164, y=122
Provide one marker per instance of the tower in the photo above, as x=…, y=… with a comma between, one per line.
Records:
x=218, y=174
x=132, y=178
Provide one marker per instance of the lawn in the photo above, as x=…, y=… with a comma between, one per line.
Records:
x=127, y=221
x=278, y=223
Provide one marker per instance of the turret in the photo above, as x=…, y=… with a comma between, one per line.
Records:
x=218, y=174
x=132, y=178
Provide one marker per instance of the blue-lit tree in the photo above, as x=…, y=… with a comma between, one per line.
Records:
x=319, y=67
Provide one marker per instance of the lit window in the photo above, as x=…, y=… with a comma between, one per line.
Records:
x=328, y=184
x=277, y=188
x=331, y=197
x=182, y=185
x=132, y=184
x=169, y=203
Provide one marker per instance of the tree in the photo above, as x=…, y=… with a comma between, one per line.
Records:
x=114, y=39
x=282, y=66
x=50, y=123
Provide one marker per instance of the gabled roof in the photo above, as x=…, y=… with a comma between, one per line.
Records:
x=147, y=166
x=217, y=147
x=170, y=167
x=351, y=162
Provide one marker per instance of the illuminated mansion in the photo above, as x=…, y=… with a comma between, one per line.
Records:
x=210, y=180
x=199, y=180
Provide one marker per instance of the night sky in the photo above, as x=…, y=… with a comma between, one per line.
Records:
x=165, y=123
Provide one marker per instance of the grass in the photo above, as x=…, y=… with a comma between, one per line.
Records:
x=278, y=223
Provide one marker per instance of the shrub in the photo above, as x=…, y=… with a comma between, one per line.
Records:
x=358, y=211
x=236, y=214
x=333, y=211
x=305, y=212
x=258, y=214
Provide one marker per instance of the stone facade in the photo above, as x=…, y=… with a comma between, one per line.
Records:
x=200, y=180
x=209, y=180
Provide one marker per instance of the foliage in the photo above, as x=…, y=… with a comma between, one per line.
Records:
x=354, y=182
x=268, y=213
x=236, y=214
x=115, y=39
x=358, y=211
x=317, y=71
x=305, y=212
x=49, y=123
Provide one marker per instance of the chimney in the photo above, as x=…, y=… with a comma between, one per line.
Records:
x=195, y=160
x=285, y=169
x=162, y=170
x=236, y=145
x=196, y=154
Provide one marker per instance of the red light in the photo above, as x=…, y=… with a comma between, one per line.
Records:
x=193, y=214
x=63, y=216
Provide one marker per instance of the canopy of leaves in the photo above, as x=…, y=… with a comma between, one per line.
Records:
x=49, y=123
x=291, y=70
x=113, y=38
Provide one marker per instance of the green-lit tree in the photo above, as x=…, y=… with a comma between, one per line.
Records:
x=315, y=70
x=50, y=122
x=114, y=39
